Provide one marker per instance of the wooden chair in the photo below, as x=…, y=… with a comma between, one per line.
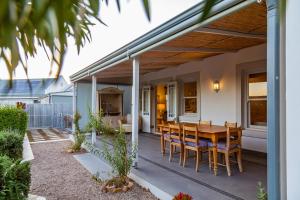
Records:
x=191, y=141
x=163, y=130
x=230, y=124
x=205, y=122
x=231, y=146
x=175, y=140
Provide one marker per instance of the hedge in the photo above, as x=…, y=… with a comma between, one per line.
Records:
x=14, y=179
x=11, y=144
x=12, y=118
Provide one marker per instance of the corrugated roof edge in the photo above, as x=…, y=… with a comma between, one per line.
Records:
x=180, y=24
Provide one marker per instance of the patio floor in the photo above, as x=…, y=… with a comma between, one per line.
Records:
x=173, y=178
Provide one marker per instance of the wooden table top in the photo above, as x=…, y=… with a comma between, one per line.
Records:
x=211, y=129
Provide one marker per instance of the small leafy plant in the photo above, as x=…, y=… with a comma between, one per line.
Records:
x=97, y=123
x=119, y=159
x=78, y=137
x=182, y=196
x=261, y=193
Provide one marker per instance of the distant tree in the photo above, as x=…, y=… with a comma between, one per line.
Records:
x=27, y=24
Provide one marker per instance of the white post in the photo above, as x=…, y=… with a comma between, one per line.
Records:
x=135, y=106
x=74, y=104
x=94, y=93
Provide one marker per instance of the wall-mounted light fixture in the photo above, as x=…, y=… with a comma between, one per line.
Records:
x=216, y=86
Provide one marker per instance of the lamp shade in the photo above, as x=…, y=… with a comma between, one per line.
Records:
x=161, y=106
x=216, y=86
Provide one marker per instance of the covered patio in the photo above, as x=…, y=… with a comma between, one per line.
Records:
x=226, y=47
x=172, y=178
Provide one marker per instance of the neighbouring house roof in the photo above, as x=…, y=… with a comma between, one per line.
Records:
x=184, y=38
x=22, y=87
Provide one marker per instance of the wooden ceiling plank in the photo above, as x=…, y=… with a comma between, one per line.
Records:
x=230, y=33
x=196, y=49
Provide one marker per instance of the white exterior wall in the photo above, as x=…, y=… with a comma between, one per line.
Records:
x=84, y=95
x=13, y=101
x=58, y=86
x=226, y=104
x=292, y=99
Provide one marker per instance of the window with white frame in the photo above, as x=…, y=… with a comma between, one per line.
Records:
x=257, y=100
x=190, y=97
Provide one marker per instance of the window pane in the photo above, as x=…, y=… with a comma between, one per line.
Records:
x=146, y=101
x=171, y=100
x=258, y=85
x=258, y=112
x=190, y=105
x=190, y=89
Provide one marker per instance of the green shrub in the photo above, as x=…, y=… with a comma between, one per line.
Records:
x=11, y=144
x=97, y=123
x=118, y=157
x=14, y=179
x=79, y=137
x=12, y=118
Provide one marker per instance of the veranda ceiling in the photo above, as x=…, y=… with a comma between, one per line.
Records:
x=242, y=29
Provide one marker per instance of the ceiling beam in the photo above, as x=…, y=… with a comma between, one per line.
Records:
x=194, y=50
x=230, y=33
x=144, y=60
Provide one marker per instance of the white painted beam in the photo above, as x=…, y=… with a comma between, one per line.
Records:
x=135, y=105
x=230, y=33
x=94, y=98
x=191, y=50
x=168, y=60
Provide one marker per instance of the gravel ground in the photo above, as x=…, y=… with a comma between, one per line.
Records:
x=57, y=175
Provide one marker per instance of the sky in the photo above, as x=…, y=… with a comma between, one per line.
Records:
x=121, y=28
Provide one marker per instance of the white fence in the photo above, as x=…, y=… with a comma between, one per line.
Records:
x=49, y=115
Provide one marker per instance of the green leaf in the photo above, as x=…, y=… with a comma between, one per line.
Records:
x=207, y=8
x=147, y=9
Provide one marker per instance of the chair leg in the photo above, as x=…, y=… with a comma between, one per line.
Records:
x=239, y=158
x=171, y=153
x=197, y=160
x=227, y=163
x=200, y=155
x=185, y=154
x=162, y=142
x=181, y=155
x=209, y=159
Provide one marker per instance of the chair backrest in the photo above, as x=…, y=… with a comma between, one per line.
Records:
x=233, y=137
x=175, y=131
x=205, y=122
x=190, y=131
x=230, y=124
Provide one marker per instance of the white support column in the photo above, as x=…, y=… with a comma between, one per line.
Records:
x=135, y=105
x=74, y=104
x=94, y=97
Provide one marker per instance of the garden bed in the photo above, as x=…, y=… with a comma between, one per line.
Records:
x=56, y=174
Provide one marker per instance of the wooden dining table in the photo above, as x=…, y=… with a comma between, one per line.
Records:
x=211, y=132
x=214, y=133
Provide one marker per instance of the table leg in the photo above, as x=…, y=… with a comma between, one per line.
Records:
x=215, y=154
